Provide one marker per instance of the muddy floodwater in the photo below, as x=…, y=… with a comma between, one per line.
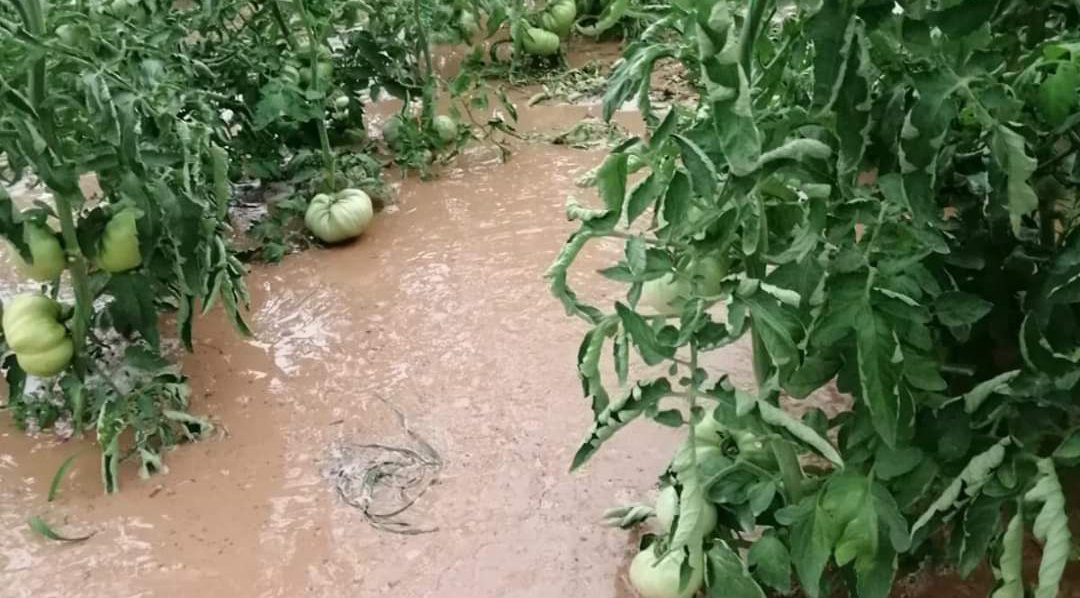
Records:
x=440, y=312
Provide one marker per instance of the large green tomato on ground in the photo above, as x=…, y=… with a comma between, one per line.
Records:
x=46, y=254
x=119, y=249
x=32, y=330
x=659, y=578
x=559, y=16
x=540, y=42
x=446, y=127
x=339, y=216
x=391, y=130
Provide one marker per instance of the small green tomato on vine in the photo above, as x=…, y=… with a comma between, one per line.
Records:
x=33, y=331
x=120, y=243
x=655, y=577
x=339, y=216
x=46, y=254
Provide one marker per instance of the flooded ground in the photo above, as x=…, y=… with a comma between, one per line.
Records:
x=439, y=311
x=442, y=312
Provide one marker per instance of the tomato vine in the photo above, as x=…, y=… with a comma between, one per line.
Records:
x=892, y=187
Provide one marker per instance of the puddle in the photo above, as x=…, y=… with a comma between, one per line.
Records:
x=441, y=309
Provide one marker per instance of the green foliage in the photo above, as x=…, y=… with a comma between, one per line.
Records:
x=893, y=187
x=106, y=90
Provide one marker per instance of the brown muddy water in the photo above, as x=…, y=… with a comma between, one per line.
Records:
x=440, y=311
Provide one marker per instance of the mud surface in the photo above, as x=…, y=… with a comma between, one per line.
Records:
x=439, y=311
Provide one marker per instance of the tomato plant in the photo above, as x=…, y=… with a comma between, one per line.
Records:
x=104, y=90
x=891, y=188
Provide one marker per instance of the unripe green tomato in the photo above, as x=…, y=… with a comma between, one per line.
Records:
x=341, y=102
x=708, y=429
x=119, y=244
x=339, y=216
x=559, y=17
x=120, y=8
x=351, y=11
x=32, y=330
x=72, y=35
x=540, y=42
x=391, y=130
x=665, y=294
x=325, y=70
x=446, y=127
x=303, y=51
x=753, y=449
x=655, y=577
x=46, y=254
x=290, y=74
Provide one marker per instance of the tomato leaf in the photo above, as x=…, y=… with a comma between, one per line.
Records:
x=43, y=529
x=775, y=416
x=1010, y=569
x=877, y=375
x=728, y=576
x=972, y=478
x=771, y=563
x=956, y=308
x=1051, y=529
x=702, y=170
x=132, y=308
x=652, y=351
x=1009, y=150
x=58, y=477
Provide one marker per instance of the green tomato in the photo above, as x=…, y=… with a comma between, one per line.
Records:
x=290, y=74
x=121, y=8
x=351, y=11
x=704, y=454
x=559, y=17
x=753, y=449
x=391, y=130
x=303, y=51
x=667, y=507
x=341, y=102
x=446, y=127
x=708, y=429
x=119, y=249
x=325, y=70
x=32, y=330
x=654, y=577
x=47, y=259
x=666, y=294
x=340, y=216
x=540, y=42
x=72, y=35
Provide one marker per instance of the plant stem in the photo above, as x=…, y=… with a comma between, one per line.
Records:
x=320, y=122
x=283, y=24
x=80, y=280
x=66, y=193
x=790, y=470
x=754, y=14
